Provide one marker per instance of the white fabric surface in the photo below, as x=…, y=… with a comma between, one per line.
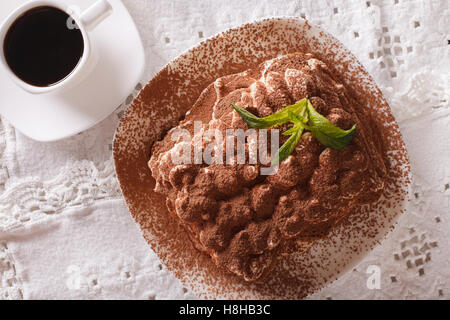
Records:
x=55, y=258
x=66, y=233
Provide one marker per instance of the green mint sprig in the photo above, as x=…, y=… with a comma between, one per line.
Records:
x=303, y=116
x=274, y=119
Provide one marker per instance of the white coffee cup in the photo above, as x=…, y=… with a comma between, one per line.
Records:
x=86, y=22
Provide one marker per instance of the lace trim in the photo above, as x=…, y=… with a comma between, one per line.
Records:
x=426, y=92
x=394, y=50
x=3, y=171
x=79, y=183
x=10, y=286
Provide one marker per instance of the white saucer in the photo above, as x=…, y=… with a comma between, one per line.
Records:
x=117, y=67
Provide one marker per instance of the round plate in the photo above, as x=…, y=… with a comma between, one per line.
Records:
x=174, y=90
x=117, y=65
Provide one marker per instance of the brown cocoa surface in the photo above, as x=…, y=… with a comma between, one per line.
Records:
x=245, y=224
x=312, y=263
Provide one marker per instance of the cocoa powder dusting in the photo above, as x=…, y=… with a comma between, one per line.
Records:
x=297, y=229
x=245, y=223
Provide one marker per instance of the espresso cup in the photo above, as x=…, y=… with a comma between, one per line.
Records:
x=85, y=22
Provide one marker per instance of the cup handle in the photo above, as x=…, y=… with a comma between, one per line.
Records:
x=95, y=14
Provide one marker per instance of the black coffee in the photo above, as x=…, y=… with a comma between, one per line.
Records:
x=40, y=48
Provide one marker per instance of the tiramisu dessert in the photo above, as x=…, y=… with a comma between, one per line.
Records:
x=329, y=162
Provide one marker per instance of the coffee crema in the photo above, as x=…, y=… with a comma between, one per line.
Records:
x=41, y=49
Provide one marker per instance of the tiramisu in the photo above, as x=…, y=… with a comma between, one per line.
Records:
x=244, y=220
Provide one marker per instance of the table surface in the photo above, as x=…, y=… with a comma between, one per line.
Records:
x=65, y=231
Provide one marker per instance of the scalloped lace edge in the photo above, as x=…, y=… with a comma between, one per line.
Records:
x=78, y=183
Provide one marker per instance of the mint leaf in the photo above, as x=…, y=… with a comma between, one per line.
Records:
x=293, y=130
x=252, y=120
x=282, y=116
x=277, y=118
x=296, y=118
x=304, y=117
x=298, y=121
x=288, y=147
x=328, y=134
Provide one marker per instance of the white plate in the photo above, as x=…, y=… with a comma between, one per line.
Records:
x=117, y=66
x=174, y=90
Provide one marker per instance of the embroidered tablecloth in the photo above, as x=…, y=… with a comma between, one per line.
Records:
x=65, y=231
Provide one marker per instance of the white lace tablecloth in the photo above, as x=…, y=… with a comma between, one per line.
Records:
x=65, y=231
